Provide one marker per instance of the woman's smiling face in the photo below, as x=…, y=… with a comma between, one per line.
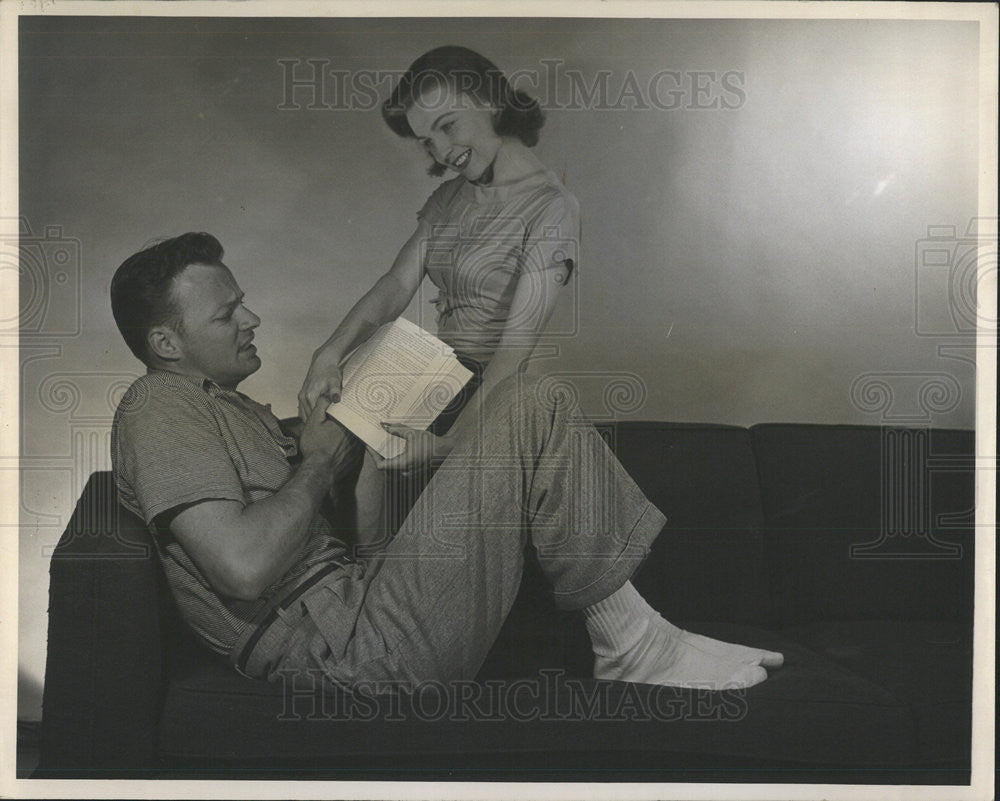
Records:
x=456, y=129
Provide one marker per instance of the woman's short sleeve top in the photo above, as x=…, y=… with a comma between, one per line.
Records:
x=482, y=239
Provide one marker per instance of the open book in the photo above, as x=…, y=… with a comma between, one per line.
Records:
x=401, y=374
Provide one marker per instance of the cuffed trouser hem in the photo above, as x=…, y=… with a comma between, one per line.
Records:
x=640, y=539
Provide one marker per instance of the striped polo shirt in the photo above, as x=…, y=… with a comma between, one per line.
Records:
x=177, y=440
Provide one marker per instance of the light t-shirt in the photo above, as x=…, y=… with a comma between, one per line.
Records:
x=483, y=238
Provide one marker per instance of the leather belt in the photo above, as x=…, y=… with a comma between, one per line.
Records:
x=272, y=615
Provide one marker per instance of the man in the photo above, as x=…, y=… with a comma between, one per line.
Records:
x=235, y=507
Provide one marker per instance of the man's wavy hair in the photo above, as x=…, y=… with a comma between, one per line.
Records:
x=141, y=290
x=468, y=72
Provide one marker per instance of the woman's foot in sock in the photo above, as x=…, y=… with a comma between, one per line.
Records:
x=728, y=650
x=662, y=657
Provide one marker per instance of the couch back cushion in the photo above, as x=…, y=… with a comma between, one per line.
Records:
x=707, y=564
x=865, y=522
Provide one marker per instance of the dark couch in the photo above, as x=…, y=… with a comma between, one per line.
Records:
x=848, y=548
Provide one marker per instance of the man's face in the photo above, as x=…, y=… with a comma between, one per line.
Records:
x=217, y=328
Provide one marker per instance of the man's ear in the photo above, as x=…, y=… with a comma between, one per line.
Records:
x=164, y=343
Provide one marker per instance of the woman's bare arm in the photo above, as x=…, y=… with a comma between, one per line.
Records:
x=384, y=302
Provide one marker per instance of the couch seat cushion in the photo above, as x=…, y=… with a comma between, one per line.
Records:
x=926, y=664
x=812, y=711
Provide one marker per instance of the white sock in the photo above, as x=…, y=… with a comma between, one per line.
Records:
x=618, y=622
x=633, y=642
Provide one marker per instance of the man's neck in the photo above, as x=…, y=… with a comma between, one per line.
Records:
x=196, y=377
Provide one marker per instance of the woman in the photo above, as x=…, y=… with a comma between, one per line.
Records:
x=498, y=240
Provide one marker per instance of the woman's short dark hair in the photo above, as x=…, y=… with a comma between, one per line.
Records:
x=141, y=295
x=465, y=71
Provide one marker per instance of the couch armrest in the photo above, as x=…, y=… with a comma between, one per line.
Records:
x=104, y=667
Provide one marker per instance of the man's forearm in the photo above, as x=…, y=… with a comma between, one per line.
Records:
x=276, y=529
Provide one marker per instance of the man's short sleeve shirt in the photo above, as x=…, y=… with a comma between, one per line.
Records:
x=178, y=440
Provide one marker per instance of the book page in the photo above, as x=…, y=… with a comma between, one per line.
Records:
x=388, y=378
x=391, y=362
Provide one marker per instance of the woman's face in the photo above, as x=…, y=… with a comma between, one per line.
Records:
x=456, y=130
